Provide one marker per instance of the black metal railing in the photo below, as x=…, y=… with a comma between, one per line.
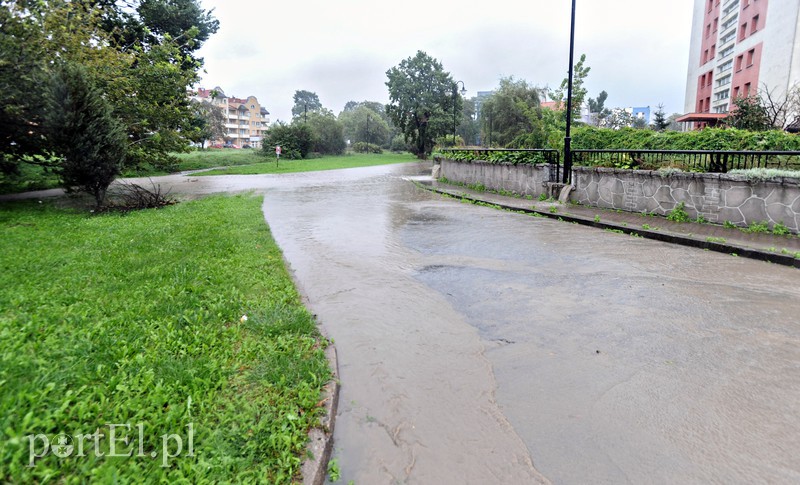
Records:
x=530, y=156
x=714, y=161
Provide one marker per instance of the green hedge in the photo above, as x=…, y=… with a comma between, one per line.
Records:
x=515, y=158
x=591, y=138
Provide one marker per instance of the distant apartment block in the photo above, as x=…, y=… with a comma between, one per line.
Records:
x=247, y=120
x=737, y=48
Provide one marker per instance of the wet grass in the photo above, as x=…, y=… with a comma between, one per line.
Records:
x=316, y=164
x=137, y=320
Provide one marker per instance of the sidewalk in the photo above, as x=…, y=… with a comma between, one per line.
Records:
x=783, y=250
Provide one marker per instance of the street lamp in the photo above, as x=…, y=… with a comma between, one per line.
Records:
x=455, y=93
x=567, y=140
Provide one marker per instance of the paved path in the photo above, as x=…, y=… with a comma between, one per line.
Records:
x=482, y=346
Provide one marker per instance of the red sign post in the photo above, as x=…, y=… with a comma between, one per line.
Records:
x=277, y=154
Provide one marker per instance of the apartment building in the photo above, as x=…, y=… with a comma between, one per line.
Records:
x=247, y=120
x=739, y=47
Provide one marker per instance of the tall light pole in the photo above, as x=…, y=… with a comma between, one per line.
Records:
x=567, y=140
x=455, y=93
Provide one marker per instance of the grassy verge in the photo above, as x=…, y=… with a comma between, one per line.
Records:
x=136, y=320
x=324, y=163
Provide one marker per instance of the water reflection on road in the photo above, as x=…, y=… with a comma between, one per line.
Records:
x=480, y=346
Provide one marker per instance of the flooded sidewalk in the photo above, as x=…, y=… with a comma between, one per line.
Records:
x=482, y=346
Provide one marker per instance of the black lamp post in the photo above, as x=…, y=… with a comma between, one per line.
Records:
x=455, y=93
x=567, y=140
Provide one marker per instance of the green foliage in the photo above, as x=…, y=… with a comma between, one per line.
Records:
x=328, y=135
x=660, y=122
x=678, y=214
x=589, y=137
x=779, y=229
x=361, y=123
x=138, y=319
x=305, y=103
x=758, y=227
x=515, y=114
x=323, y=163
x=579, y=75
x=83, y=133
x=208, y=122
x=363, y=147
x=399, y=144
x=295, y=140
x=748, y=113
x=421, y=101
x=512, y=157
x=140, y=56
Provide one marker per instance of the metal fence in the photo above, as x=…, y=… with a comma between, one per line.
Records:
x=714, y=161
x=510, y=155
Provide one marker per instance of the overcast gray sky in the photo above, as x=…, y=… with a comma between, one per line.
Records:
x=638, y=49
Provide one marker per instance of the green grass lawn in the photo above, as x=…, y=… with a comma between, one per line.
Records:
x=135, y=321
x=324, y=163
x=218, y=157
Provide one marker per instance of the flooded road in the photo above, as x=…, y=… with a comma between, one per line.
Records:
x=481, y=346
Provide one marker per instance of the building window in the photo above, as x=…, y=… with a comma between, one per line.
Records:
x=700, y=106
x=747, y=89
x=743, y=31
x=708, y=31
x=708, y=103
x=705, y=56
x=703, y=81
x=754, y=25
x=725, y=52
x=713, y=50
x=710, y=5
x=725, y=66
x=736, y=92
x=724, y=81
x=716, y=23
x=725, y=94
x=751, y=54
x=739, y=62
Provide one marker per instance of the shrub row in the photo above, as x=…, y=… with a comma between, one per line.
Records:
x=592, y=138
x=513, y=157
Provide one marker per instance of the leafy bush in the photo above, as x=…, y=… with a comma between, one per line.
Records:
x=364, y=147
x=678, y=214
x=515, y=158
x=399, y=144
x=592, y=138
x=295, y=140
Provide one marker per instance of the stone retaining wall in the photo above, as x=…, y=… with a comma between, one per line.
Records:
x=522, y=179
x=718, y=198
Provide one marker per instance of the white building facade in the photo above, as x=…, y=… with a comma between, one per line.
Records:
x=739, y=48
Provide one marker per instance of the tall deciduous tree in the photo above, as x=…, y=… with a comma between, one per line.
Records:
x=516, y=115
x=208, y=122
x=305, y=102
x=140, y=54
x=363, y=124
x=328, y=133
x=579, y=74
x=421, y=100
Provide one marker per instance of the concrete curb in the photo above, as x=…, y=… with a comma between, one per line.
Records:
x=320, y=447
x=683, y=240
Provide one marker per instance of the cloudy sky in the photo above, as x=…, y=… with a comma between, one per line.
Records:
x=341, y=50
